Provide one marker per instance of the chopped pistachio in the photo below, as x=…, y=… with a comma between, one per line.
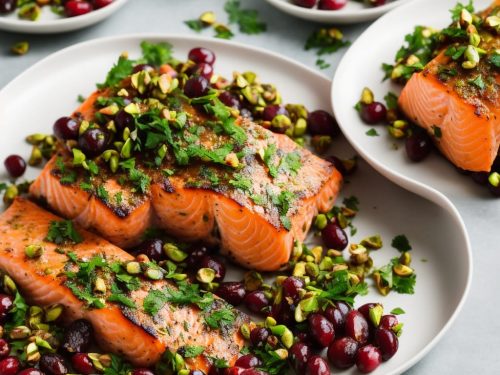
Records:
x=20, y=332
x=367, y=96
x=32, y=353
x=278, y=330
x=494, y=179
x=372, y=242
x=10, y=194
x=36, y=157
x=270, y=322
x=100, y=285
x=208, y=18
x=299, y=269
x=402, y=270
x=281, y=353
x=380, y=284
x=252, y=280
x=33, y=251
x=231, y=159
x=245, y=331
x=133, y=268
x=9, y=285
x=154, y=274
x=321, y=143
x=300, y=127
x=30, y=11
x=174, y=253
x=53, y=313
x=281, y=123
x=376, y=313
x=405, y=258
x=35, y=139
x=320, y=221
x=205, y=275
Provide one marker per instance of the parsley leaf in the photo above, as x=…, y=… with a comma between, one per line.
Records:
x=401, y=243
x=372, y=132
x=324, y=43
x=437, y=131
x=192, y=351
x=351, y=203
x=119, y=71
x=478, y=82
x=123, y=299
x=291, y=163
x=17, y=314
x=495, y=59
x=397, y=311
x=247, y=19
x=63, y=231
x=102, y=193
x=118, y=366
x=221, y=317
x=269, y=153
x=322, y=64
x=457, y=10
x=241, y=182
x=156, y=54
x=195, y=25
x=391, y=100
x=404, y=285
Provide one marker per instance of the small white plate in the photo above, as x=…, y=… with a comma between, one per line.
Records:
x=51, y=23
x=361, y=67
x=48, y=90
x=353, y=12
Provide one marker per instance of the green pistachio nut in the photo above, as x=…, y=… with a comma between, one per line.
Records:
x=100, y=285
x=9, y=285
x=494, y=179
x=33, y=251
x=205, y=275
x=30, y=12
x=78, y=157
x=320, y=221
x=402, y=270
x=133, y=268
x=405, y=258
x=252, y=280
x=174, y=253
x=367, y=96
x=372, y=242
x=376, y=313
x=10, y=194
x=35, y=139
x=381, y=285
x=281, y=353
x=154, y=274
x=245, y=331
x=287, y=339
x=53, y=313
x=20, y=333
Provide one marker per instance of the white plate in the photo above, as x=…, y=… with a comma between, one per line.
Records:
x=361, y=67
x=50, y=23
x=49, y=89
x=353, y=12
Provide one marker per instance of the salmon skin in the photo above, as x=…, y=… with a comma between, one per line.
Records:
x=141, y=337
x=255, y=214
x=461, y=112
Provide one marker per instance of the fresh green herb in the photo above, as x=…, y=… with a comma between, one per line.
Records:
x=457, y=10
x=85, y=294
x=271, y=362
x=80, y=98
x=351, y=202
x=247, y=19
x=192, y=351
x=156, y=54
x=120, y=297
x=121, y=70
x=322, y=64
x=341, y=289
x=258, y=199
x=195, y=25
x=63, y=231
x=401, y=243
x=223, y=33
x=219, y=318
x=404, y=285
x=478, y=82
x=269, y=153
x=86, y=186
x=17, y=314
x=219, y=362
x=241, y=182
x=372, y=132
x=437, y=131
x=391, y=100
x=102, y=193
x=118, y=366
x=397, y=311
x=290, y=163
x=118, y=198
x=495, y=59
x=325, y=42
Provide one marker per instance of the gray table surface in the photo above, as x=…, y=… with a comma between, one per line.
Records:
x=471, y=346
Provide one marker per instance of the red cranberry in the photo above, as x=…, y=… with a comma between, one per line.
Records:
x=123, y=120
x=273, y=110
x=7, y=6
x=15, y=165
x=373, y=113
x=291, y=286
x=9, y=366
x=258, y=336
x=388, y=321
x=233, y=371
x=252, y=371
x=322, y=123
x=305, y=3
x=368, y=358
x=74, y=8
x=196, y=255
x=283, y=312
x=53, y=364
x=5, y=305
x=331, y=4
x=66, y=128
x=334, y=236
x=142, y=371
x=93, y=141
x=202, y=55
x=365, y=310
x=337, y=163
x=215, y=264
x=377, y=3
x=256, y=301
x=248, y=361
x=299, y=355
x=4, y=348
x=98, y=4
x=336, y=317
x=232, y=291
x=141, y=67
x=82, y=363
x=418, y=146
x=317, y=366
x=196, y=87
x=342, y=352
x=343, y=307
x=202, y=69
x=152, y=248
x=356, y=326
x=305, y=338
x=321, y=329
x=229, y=99
x=387, y=342
x=30, y=371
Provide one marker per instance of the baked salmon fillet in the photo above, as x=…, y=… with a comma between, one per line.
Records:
x=252, y=191
x=142, y=329
x=460, y=106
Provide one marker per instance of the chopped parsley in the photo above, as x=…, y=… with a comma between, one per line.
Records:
x=191, y=351
x=401, y=243
x=372, y=132
x=121, y=70
x=269, y=153
x=241, y=182
x=63, y=231
x=391, y=100
x=437, y=131
x=17, y=314
x=495, y=59
x=195, y=25
x=102, y=193
x=351, y=202
x=156, y=54
x=325, y=42
x=322, y=64
x=478, y=82
x=397, y=311
x=219, y=318
x=247, y=19
x=402, y=285
x=290, y=163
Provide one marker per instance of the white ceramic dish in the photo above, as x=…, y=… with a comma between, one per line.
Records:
x=32, y=102
x=361, y=67
x=353, y=12
x=50, y=23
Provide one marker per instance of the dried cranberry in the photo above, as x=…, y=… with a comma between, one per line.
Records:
x=273, y=110
x=342, y=352
x=93, y=141
x=322, y=123
x=152, y=248
x=5, y=305
x=291, y=287
x=74, y=8
x=202, y=69
x=15, y=165
x=331, y=4
x=98, y=4
x=388, y=321
x=4, y=348
x=142, y=371
x=196, y=255
x=365, y=310
x=229, y=99
x=336, y=317
x=258, y=336
x=30, y=371
x=196, y=87
x=387, y=342
x=317, y=366
x=373, y=113
x=418, y=146
x=305, y=3
x=123, y=120
x=7, y=6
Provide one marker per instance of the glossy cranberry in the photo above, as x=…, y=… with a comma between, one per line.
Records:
x=317, y=366
x=322, y=123
x=336, y=317
x=152, y=248
x=356, y=326
x=82, y=363
x=342, y=352
x=343, y=307
x=273, y=110
x=331, y=4
x=229, y=99
x=305, y=338
x=365, y=310
x=231, y=291
x=123, y=120
x=4, y=348
x=202, y=55
x=215, y=264
x=248, y=361
x=15, y=165
x=388, y=321
x=53, y=364
x=196, y=87
x=299, y=355
x=7, y=6
x=258, y=336
x=368, y=358
x=321, y=329
x=141, y=67
x=202, y=69
x=418, y=146
x=98, y=4
x=334, y=236
x=9, y=366
x=256, y=301
x=373, y=113
x=77, y=336
x=233, y=371
x=480, y=178
x=30, y=371
x=66, y=128
x=5, y=305
x=387, y=342
x=305, y=3
x=75, y=8
x=93, y=141
x=377, y=3
x=283, y=312
x=142, y=371
x=337, y=163
x=196, y=255
x=291, y=287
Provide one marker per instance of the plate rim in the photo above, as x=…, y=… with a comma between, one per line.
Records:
x=438, y=198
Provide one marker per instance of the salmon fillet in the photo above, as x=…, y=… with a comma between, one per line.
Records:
x=463, y=121
x=133, y=333
x=255, y=216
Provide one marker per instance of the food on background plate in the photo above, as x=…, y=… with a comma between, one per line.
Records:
x=31, y=9
x=335, y=4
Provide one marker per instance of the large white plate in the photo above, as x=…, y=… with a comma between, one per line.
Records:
x=361, y=67
x=49, y=89
x=353, y=12
x=50, y=23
